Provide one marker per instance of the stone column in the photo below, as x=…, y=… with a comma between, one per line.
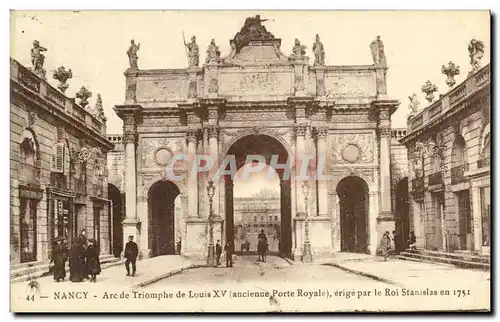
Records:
x=322, y=183
x=476, y=219
x=214, y=153
x=192, y=189
x=385, y=161
x=372, y=225
x=336, y=223
x=300, y=152
x=130, y=223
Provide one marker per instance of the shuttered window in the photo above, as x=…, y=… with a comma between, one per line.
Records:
x=57, y=164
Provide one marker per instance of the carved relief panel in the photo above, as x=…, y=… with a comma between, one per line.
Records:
x=350, y=85
x=350, y=148
x=156, y=152
x=255, y=83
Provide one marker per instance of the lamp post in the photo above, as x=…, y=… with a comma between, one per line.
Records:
x=307, y=255
x=211, y=251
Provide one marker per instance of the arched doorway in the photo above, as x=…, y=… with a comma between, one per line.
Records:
x=116, y=220
x=161, y=210
x=354, y=208
x=270, y=149
x=402, y=214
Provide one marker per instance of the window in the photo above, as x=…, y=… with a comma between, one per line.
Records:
x=275, y=218
x=57, y=164
x=254, y=218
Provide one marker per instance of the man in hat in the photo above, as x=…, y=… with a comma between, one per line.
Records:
x=131, y=252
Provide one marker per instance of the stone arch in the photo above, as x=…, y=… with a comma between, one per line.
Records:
x=253, y=131
x=29, y=135
x=157, y=178
x=353, y=173
x=485, y=141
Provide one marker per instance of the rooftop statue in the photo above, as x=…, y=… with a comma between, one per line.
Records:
x=413, y=105
x=251, y=30
x=476, y=52
x=213, y=53
x=37, y=58
x=319, y=52
x=299, y=51
x=132, y=54
x=193, y=53
x=378, y=53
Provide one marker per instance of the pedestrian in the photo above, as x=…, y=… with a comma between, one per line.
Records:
x=82, y=239
x=229, y=249
x=218, y=251
x=393, y=242
x=179, y=246
x=93, y=263
x=59, y=258
x=262, y=245
x=412, y=241
x=77, y=267
x=131, y=252
x=385, y=245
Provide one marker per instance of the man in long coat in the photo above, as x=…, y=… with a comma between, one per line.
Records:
x=59, y=257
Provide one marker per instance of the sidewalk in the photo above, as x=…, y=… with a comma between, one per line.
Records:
x=414, y=274
x=113, y=278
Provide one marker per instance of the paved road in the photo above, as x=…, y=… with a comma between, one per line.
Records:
x=247, y=269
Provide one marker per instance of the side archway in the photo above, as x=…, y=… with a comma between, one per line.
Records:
x=402, y=214
x=161, y=217
x=117, y=215
x=354, y=207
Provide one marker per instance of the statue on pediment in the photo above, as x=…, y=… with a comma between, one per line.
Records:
x=476, y=53
x=132, y=54
x=298, y=51
x=378, y=53
x=38, y=58
x=251, y=30
x=319, y=52
x=213, y=53
x=193, y=52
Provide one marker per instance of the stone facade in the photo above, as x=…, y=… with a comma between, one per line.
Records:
x=448, y=146
x=259, y=94
x=57, y=167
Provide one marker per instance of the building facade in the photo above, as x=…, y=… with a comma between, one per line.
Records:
x=57, y=167
x=258, y=100
x=448, y=146
x=254, y=214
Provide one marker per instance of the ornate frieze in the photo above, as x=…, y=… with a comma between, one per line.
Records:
x=254, y=115
x=351, y=148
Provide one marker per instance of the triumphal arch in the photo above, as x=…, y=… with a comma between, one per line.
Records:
x=258, y=100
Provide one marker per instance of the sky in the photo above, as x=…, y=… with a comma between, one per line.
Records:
x=94, y=44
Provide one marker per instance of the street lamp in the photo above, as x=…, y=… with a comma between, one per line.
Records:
x=307, y=255
x=211, y=251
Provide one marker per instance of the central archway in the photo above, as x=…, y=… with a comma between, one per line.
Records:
x=267, y=147
x=354, y=208
x=161, y=208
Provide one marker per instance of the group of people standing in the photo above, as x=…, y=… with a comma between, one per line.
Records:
x=83, y=259
x=228, y=250
x=392, y=244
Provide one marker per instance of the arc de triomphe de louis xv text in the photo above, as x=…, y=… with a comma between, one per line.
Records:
x=258, y=100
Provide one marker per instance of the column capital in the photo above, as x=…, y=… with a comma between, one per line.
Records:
x=191, y=135
x=322, y=131
x=213, y=131
x=130, y=137
x=300, y=129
